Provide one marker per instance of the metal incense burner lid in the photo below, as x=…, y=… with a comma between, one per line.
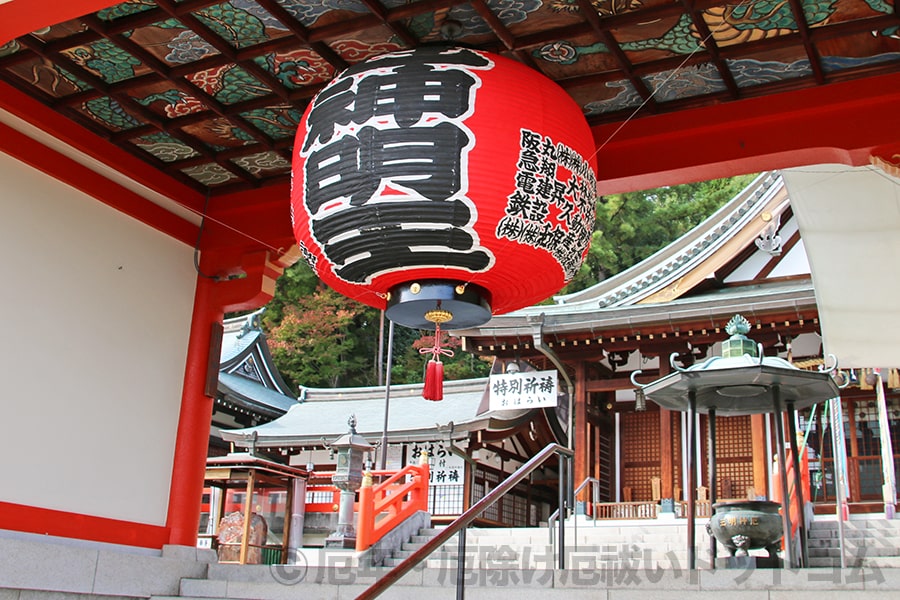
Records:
x=742, y=381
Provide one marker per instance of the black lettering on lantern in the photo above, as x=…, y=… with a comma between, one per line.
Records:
x=422, y=160
x=385, y=164
x=408, y=225
x=334, y=109
x=552, y=206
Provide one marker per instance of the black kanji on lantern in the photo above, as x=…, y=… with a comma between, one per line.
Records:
x=394, y=123
x=528, y=221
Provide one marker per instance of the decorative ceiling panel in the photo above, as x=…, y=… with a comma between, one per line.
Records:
x=211, y=92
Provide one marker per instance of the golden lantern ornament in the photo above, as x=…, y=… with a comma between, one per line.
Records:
x=434, y=370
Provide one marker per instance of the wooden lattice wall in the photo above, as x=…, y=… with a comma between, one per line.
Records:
x=640, y=452
x=605, y=470
x=734, y=458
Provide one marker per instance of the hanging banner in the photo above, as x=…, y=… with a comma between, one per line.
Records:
x=838, y=444
x=889, y=484
x=534, y=389
x=446, y=477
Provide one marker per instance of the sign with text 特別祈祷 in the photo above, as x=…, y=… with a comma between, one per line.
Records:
x=531, y=389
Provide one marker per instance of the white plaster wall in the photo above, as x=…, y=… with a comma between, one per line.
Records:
x=96, y=311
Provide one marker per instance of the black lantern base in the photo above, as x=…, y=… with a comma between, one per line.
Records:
x=468, y=303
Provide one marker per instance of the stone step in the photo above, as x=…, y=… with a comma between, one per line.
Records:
x=872, y=535
x=581, y=541
x=856, y=544
x=412, y=546
x=677, y=528
x=597, y=540
x=867, y=555
x=670, y=560
x=858, y=524
x=420, y=539
x=881, y=562
x=852, y=534
x=872, y=531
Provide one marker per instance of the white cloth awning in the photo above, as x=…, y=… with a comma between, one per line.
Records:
x=850, y=224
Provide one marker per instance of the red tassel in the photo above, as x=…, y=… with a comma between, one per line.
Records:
x=434, y=381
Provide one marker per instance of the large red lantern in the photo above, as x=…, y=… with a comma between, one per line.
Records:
x=443, y=184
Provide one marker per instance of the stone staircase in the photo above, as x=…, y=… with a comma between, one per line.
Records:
x=872, y=542
x=609, y=561
x=600, y=545
x=255, y=582
x=624, y=560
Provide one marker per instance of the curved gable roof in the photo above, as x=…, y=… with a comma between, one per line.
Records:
x=245, y=354
x=323, y=414
x=675, y=269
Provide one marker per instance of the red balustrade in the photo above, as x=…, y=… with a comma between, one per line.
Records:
x=384, y=506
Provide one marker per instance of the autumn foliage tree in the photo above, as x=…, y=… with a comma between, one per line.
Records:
x=314, y=344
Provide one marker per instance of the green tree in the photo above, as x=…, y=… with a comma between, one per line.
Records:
x=319, y=338
x=410, y=361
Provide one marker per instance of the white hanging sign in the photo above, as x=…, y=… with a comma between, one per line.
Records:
x=527, y=389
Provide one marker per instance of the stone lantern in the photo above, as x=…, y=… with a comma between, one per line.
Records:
x=351, y=449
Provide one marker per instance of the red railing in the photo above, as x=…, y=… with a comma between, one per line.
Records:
x=384, y=506
x=794, y=500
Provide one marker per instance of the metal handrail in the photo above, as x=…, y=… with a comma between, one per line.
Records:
x=595, y=488
x=460, y=523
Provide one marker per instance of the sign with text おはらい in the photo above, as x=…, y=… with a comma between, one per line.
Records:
x=532, y=389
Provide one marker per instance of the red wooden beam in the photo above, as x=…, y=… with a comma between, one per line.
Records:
x=46, y=521
x=19, y=17
x=841, y=123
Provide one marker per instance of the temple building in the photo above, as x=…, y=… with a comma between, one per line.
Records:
x=747, y=259
x=249, y=388
x=469, y=447
x=470, y=451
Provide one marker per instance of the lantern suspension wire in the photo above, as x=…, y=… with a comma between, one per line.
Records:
x=671, y=76
x=206, y=217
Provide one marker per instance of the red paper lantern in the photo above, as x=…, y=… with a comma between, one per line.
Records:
x=443, y=178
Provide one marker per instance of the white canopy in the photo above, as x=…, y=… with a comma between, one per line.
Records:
x=850, y=223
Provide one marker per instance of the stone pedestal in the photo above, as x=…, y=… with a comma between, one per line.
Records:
x=345, y=535
x=749, y=562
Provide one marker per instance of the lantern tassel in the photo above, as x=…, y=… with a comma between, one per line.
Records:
x=434, y=370
x=434, y=381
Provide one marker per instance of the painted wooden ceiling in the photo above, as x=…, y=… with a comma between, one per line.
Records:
x=211, y=93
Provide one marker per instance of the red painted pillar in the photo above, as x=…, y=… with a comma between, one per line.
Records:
x=191, y=445
x=581, y=446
